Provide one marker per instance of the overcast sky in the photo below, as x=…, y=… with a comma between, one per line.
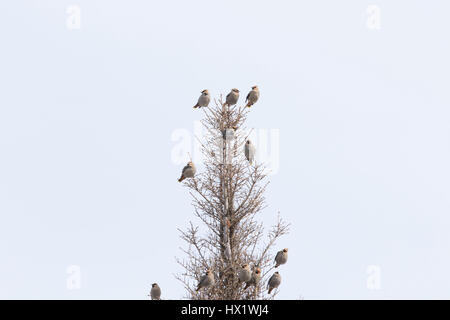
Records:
x=355, y=106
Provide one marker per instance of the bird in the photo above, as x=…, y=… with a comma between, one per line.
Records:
x=281, y=257
x=232, y=97
x=274, y=281
x=188, y=171
x=252, y=96
x=206, y=280
x=245, y=274
x=203, y=100
x=155, y=292
x=249, y=151
x=256, y=276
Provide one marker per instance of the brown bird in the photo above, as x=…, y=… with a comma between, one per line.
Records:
x=155, y=292
x=249, y=151
x=206, y=281
x=252, y=96
x=188, y=171
x=281, y=257
x=232, y=97
x=274, y=281
x=256, y=276
x=245, y=274
x=203, y=100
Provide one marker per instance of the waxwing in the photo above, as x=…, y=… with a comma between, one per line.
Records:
x=232, y=97
x=250, y=151
x=188, y=171
x=256, y=276
x=245, y=274
x=281, y=257
x=155, y=292
x=252, y=96
x=206, y=280
x=203, y=100
x=274, y=281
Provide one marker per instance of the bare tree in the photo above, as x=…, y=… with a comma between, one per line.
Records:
x=227, y=195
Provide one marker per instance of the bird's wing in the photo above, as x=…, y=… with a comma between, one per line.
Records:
x=277, y=256
x=268, y=282
x=248, y=96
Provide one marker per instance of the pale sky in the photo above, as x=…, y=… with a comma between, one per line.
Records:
x=88, y=116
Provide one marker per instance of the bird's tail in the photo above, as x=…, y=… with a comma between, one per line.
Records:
x=277, y=265
x=196, y=106
x=270, y=290
x=181, y=179
x=249, y=105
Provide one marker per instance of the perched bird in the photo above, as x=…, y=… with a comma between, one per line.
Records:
x=232, y=97
x=245, y=274
x=203, y=100
x=155, y=292
x=256, y=276
x=249, y=150
x=274, y=281
x=281, y=257
x=188, y=171
x=252, y=96
x=206, y=281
